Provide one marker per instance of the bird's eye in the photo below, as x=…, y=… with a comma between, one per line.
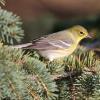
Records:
x=82, y=33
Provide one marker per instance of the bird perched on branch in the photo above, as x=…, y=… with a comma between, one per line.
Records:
x=59, y=44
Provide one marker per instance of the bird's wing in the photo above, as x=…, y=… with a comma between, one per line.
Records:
x=50, y=42
x=50, y=45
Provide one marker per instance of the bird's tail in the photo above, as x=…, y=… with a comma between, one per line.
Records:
x=22, y=45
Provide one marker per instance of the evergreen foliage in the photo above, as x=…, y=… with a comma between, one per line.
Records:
x=10, y=27
x=2, y=2
x=24, y=76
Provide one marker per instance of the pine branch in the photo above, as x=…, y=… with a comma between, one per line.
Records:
x=42, y=76
x=2, y=2
x=24, y=77
x=11, y=76
x=10, y=27
x=81, y=75
x=11, y=83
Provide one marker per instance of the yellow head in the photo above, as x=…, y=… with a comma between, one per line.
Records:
x=79, y=32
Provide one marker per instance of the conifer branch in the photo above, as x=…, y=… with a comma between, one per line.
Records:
x=18, y=67
x=2, y=2
x=10, y=27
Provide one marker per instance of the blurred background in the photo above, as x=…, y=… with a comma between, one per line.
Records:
x=42, y=17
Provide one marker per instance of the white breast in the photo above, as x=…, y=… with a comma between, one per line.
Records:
x=54, y=54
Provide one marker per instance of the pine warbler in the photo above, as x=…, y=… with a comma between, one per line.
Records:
x=59, y=44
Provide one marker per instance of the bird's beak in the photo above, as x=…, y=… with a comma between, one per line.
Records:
x=88, y=36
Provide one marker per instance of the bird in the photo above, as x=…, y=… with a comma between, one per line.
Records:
x=58, y=44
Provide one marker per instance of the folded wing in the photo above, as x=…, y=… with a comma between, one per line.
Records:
x=51, y=45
